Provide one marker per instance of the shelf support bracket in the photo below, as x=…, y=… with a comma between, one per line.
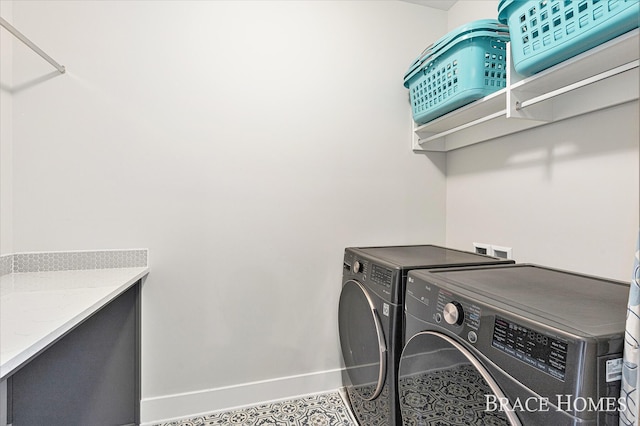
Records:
x=31, y=45
x=515, y=100
x=577, y=85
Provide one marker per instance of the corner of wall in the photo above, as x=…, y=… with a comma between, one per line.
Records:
x=6, y=133
x=463, y=12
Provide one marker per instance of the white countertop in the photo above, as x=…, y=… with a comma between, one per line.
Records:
x=37, y=308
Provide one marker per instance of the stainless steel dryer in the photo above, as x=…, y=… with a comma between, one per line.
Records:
x=519, y=344
x=371, y=321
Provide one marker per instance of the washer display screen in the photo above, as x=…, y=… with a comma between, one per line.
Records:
x=538, y=350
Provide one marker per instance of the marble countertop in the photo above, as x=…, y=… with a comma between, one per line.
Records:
x=38, y=308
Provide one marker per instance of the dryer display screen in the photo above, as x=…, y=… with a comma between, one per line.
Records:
x=538, y=350
x=381, y=275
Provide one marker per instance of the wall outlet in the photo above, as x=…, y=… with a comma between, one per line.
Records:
x=493, y=250
x=502, y=252
x=482, y=248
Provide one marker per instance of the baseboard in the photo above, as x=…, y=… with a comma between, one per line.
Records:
x=171, y=407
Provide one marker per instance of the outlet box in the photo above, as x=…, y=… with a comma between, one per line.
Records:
x=482, y=248
x=493, y=250
x=502, y=252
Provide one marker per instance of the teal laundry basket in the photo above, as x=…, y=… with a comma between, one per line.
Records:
x=467, y=64
x=547, y=32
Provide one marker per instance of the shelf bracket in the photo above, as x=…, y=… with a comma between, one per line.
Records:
x=515, y=97
x=577, y=85
x=438, y=141
x=515, y=100
x=31, y=45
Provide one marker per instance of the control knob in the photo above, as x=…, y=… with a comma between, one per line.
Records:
x=453, y=313
x=357, y=267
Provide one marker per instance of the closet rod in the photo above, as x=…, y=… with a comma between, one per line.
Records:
x=29, y=43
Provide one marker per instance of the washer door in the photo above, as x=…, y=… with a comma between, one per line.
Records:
x=362, y=340
x=441, y=382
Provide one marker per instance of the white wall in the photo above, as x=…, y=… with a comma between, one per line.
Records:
x=465, y=11
x=245, y=144
x=6, y=139
x=564, y=195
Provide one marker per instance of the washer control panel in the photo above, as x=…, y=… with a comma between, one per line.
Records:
x=458, y=312
x=439, y=306
x=487, y=329
x=453, y=313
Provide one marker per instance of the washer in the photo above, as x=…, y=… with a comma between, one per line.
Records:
x=371, y=321
x=519, y=344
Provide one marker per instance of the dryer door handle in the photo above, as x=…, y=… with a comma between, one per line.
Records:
x=362, y=340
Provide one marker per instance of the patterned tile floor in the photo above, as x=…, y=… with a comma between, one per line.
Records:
x=326, y=409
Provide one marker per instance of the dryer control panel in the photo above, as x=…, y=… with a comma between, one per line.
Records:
x=539, y=350
x=376, y=276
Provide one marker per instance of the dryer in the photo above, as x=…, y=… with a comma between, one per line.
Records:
x=519, y=344
x=371, y=321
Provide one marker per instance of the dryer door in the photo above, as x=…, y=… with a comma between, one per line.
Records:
x=362, y=340
x=441, y=382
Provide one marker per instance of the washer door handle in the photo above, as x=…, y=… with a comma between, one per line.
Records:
x=493, y=385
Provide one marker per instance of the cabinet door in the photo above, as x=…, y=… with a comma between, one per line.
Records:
x=91, y=376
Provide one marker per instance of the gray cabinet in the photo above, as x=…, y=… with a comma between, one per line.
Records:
x=89, y=377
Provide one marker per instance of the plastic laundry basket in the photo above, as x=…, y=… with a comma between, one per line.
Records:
x=467, y=64
x=547, y=32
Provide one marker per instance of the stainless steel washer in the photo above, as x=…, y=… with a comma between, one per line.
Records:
x=518, y=344
x=371, y=321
